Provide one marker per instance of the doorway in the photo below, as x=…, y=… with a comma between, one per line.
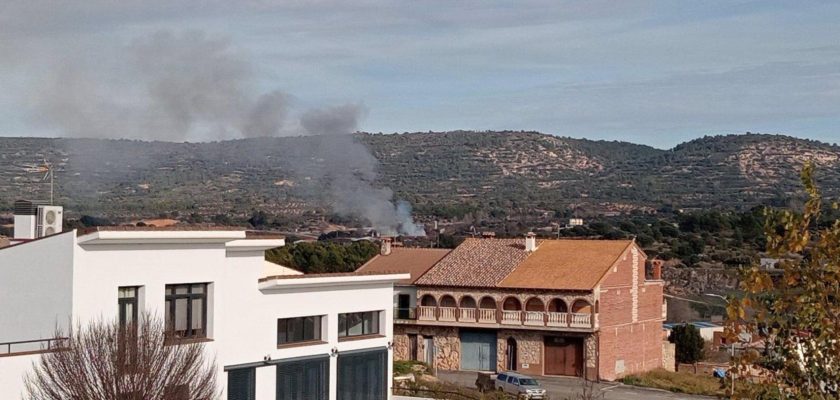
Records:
x=563, y=356
x=511, y=354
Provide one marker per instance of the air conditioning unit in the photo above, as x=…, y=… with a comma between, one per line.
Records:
x=49, y=220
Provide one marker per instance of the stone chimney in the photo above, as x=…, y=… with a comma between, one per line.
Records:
x=530, y=241
x=385, y=246
x=656, y=269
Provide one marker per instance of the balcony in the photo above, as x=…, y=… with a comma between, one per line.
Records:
x=32, y=346
x=509, y=314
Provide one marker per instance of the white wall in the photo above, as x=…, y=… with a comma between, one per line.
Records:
x=36, y=288
x=243, y=321
x=12, y=371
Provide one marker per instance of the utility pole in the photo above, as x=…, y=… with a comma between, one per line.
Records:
x=731, y=345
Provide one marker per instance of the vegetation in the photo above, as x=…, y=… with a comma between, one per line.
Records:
x=688, y=342
x=402, y=367
x=103, y=360
x=320, y=257
x=680, y=382
x=797, y=313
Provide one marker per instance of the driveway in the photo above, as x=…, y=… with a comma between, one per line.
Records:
x=561, y=388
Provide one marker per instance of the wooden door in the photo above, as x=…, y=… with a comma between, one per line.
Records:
x=563, y=356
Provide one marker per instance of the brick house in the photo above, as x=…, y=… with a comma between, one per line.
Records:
x=590, y=308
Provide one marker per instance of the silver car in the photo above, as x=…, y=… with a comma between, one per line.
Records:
x=522, y=386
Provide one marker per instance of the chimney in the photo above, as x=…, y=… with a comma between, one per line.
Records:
x=488, y=234
x=657, y=269
x=26, y=213
x=385, y=248
x=530, y=241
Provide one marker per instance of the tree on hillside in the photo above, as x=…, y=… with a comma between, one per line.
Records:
x=106, y=361
x=322, y=257
x=688, y=342
x=797, y=313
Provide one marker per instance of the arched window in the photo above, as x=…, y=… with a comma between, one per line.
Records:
x=581, y=306
x=428, y=301
x=512, y=304
x=447, y=301
x=558, y=306
x=468, y=302
x=487, y=302
x=534, y=304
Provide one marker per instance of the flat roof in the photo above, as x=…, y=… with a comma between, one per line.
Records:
x=334, y=279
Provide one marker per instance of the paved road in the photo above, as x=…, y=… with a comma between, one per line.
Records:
x=560, y=388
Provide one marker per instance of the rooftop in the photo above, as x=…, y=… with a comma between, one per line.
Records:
x=555, y=264
x=414, y=261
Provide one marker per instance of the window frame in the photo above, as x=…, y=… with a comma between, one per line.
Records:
x=317, y=330
x=344, y=334
x=122, y=302
x=171, y=297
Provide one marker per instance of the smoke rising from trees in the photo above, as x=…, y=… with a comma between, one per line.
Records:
x=192, y=87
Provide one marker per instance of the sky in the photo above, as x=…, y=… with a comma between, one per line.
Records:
x=650, y=72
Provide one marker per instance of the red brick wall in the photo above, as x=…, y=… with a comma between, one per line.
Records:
x=627, y=346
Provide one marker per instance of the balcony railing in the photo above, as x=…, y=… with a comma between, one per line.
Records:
x=405, y=313
x=446, y=314
x=502, y=317
x=31, y=346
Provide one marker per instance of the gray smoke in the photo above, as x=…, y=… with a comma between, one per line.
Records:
x=178, y=87
x=349, y=169
x=165, y=86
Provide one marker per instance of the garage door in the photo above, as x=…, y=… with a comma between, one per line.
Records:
x=305, y=379
x=563, y=356
x=478, y=351
x=363, y=375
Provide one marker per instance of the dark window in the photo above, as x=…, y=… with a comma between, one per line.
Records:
x=358, y=324
x=301, y=329
x=304, y=380
x=363, y=376
x=127, y=301
x=186, y=310
x=242, y=384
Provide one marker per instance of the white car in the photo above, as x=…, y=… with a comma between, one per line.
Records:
x=522, y=386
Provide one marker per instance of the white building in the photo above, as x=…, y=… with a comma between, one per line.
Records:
x=211, y=285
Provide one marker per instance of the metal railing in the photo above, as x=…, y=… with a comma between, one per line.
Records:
x=31, y=346
x=405, y=313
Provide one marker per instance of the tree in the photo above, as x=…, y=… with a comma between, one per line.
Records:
x=689, y=343
x=105, y=361
x=797, y=313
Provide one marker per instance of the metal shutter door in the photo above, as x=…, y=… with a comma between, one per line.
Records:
x=304, y=379
x=363, y=375
x=242, y=384
x=478, y=351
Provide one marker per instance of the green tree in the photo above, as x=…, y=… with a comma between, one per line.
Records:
x=798, y=313
x=689, y=343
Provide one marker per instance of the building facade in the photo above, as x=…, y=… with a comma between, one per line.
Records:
x=274, y=334
x=585, y=308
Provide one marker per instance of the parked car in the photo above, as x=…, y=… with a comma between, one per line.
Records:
x=521, y=386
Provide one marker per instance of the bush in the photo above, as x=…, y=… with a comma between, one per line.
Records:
x=689, y=343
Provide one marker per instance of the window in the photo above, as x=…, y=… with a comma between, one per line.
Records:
x=242, y=384
x=302, y=329
x=358, y=324
x=127, y=303
x=186, y=310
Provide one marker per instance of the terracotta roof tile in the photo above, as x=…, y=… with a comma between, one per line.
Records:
x=477, y=263
x=413, y=261
x=567, y=264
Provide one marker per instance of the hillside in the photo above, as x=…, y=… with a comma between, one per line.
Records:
x=441, y=174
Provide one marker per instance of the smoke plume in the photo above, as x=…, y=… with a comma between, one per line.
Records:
x=191, y=87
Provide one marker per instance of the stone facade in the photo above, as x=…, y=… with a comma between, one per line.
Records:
x=446, y=340
x=669, y=356
x=529, y=350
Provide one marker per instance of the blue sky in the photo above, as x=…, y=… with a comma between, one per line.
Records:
x=652, y=72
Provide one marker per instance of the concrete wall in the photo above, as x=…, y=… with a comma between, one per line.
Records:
x=12, y=371
x=36, y=288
